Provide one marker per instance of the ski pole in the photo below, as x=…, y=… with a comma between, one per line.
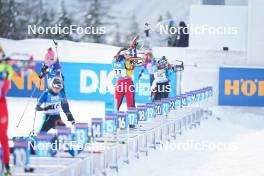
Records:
x=56, y=47
x=35, y=114
x=57, y=53
x=34, y=90
x=32, y=133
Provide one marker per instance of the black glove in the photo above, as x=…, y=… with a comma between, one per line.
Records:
x=72, y=121
x=44, y=71
x=134, y=61
x=50, y=107
x=70, y=118
x=38, y=108
x=44, y=68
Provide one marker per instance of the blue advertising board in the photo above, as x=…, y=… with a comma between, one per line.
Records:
x=85, y=81
x=241, y=86
x=23, y=83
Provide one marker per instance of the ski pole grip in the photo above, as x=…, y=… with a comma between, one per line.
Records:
x=56, y=44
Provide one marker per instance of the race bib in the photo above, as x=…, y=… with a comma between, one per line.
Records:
x=120, y=73
x=160, y=76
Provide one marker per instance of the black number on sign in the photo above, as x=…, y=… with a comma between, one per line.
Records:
x=158, y=110
x=172, y=105
x=141, y=115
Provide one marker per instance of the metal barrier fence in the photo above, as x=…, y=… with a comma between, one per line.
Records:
x=109, y=151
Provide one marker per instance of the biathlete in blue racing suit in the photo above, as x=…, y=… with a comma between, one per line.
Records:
x=52, y=68
x=49, y=102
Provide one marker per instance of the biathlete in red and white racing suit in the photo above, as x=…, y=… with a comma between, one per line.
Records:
x=123, y=66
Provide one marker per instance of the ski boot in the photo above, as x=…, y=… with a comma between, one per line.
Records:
x=7, y=171
x=32, y=134
x=29, y=170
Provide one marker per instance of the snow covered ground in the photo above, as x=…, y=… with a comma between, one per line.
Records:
x=231, y=146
